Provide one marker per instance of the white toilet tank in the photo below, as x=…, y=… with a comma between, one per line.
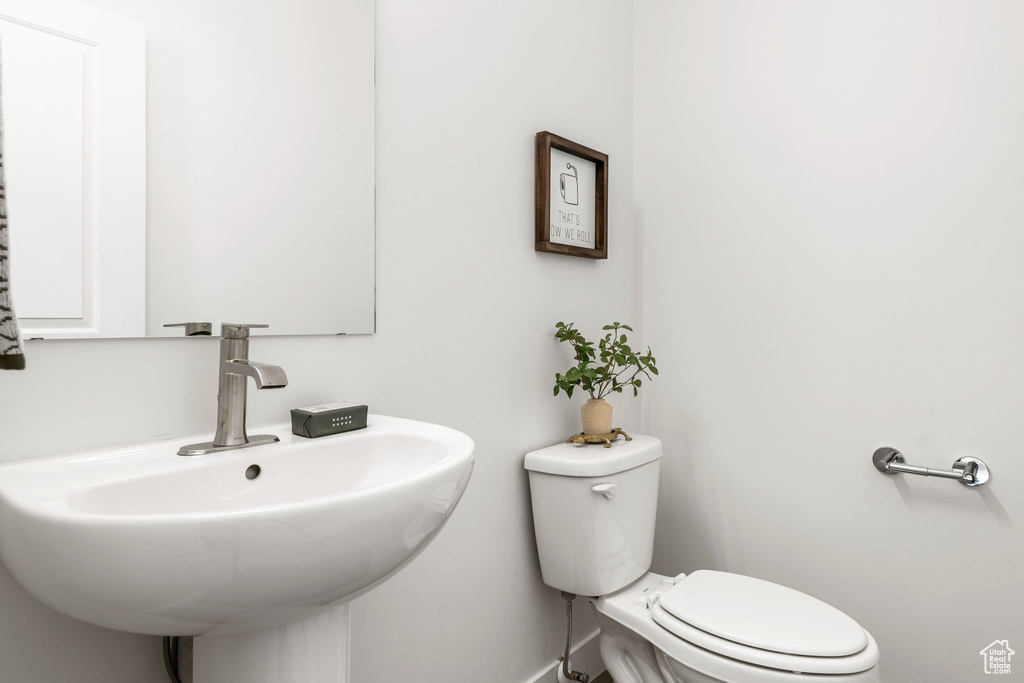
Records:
x=594, y=510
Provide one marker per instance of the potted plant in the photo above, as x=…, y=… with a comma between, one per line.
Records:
x=610, y=367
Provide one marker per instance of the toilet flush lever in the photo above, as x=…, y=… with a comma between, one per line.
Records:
x=606, y=490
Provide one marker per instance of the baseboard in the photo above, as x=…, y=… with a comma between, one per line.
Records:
x=585, y=657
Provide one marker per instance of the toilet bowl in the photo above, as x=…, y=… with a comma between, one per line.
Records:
x=594, y=511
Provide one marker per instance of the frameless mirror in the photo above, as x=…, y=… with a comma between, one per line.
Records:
x=227, y=177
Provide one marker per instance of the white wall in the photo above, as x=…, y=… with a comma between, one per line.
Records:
x=466, y=308
x=465, y=314
x=830, y=197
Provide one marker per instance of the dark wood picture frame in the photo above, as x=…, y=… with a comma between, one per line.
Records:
x=545, y=143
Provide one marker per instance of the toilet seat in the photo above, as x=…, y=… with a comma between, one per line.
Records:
x=762, y=623
x=633, y=609
x=861, y=661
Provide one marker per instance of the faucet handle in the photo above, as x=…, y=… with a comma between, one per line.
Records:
x=237, y=330
x=193, y=329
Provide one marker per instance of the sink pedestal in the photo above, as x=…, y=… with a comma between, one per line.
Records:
x=314, y=650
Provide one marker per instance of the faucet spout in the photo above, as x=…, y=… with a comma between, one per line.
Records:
x=265, y=375
x=235, y=367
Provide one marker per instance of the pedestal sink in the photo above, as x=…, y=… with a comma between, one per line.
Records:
x=140, y=539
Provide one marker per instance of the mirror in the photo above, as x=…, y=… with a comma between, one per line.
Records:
x=257, y=204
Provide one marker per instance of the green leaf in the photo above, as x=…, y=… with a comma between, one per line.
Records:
x=597, y=365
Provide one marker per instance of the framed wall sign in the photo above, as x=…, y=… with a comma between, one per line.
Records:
x=572, y=198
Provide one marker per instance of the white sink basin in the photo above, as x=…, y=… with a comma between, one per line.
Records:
x=141, y=539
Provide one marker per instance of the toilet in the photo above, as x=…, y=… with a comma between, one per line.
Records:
x=594, y=512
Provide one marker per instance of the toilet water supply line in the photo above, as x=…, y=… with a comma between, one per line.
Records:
x=570, y=675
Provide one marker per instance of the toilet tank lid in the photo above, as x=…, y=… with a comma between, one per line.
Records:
x=594, y=460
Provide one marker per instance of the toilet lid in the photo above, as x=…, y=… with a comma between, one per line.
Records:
x=760, y=614
x=693, y=647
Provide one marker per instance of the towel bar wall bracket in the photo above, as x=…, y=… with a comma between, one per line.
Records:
x=967, y=470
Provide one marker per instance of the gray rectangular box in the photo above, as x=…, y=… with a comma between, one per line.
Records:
x=328, y=418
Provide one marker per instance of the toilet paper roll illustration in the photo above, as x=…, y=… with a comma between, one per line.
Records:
x=569, y=186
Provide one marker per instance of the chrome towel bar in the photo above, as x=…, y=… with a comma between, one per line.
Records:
x=967, y=470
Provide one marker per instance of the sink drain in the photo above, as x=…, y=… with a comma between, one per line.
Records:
x=252, y=472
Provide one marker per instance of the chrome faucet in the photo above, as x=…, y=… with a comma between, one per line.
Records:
x=235, y=368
